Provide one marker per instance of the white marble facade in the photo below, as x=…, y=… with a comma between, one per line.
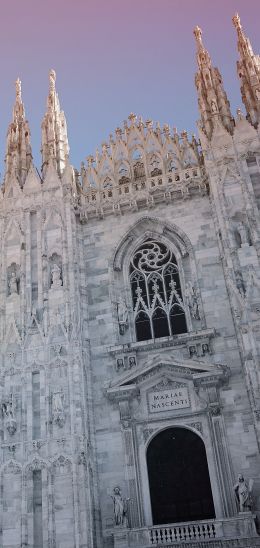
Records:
x=81, y=397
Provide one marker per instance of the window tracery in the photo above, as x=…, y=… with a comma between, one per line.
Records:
x=155, y=166
x=123, y=173
x=156, y=292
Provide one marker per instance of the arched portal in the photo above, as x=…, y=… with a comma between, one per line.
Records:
x=179, y=477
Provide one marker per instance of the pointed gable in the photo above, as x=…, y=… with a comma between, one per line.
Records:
x=32, y=183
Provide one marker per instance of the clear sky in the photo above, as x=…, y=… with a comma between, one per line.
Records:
x=113, y=57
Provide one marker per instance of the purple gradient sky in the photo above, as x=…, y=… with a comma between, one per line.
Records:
x=113, y=57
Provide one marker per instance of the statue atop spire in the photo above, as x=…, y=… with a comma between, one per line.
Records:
x=237, y=22
x=198, y=36
x=55, y=146
x=18, y=88
x=248, y=69
x=52, y=79
x=213, y=103
x=18, y=147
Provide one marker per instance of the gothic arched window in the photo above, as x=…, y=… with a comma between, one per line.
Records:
x=156, y=292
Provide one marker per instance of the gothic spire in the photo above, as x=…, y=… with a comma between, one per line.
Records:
x=213, y=103
x=55, y=144
x=248, y=68
x=18, y=147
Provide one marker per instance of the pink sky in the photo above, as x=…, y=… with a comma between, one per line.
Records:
x=113, y=57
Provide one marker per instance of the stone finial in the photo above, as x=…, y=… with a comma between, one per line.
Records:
x=90, y=160
x=132, y=117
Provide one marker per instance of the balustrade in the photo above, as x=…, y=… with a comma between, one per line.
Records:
x=193, y=531
x=238, y=531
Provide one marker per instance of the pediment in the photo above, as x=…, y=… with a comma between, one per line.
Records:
x=176, y=370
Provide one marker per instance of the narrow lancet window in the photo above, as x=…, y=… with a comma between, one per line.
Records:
x=36, y=406
x=37, y=509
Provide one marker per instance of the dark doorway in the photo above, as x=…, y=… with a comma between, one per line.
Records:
x=179, y=477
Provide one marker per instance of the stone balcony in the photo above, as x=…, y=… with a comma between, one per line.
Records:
x=239, y=531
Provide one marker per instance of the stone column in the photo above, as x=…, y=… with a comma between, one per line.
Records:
x=24, y=522
x=223, y=464
x=134, y=514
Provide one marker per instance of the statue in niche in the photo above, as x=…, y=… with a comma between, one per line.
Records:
x=119, y=363
x=192, y=300
x=122, y=315
x=8, y=413
x=13, y=285
x=193, y=351
x=8, y=408
x=58, y=407
x=214, y=107
x=205, y=349
x=56, y=279
x=243, y=494
x=131, y=362
x=240, y=282
x=242, y=232
x=120, y=508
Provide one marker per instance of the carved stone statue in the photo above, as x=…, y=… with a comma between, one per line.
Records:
x=18, y=88
x=57, y=402
x=52, y=79
x=242, y=232
x=120, y=509
x=122, y=314
x=243, y=493
x=239, y=114
x=240, y=282
x=13, y=284
x=192, y=300
x=8, y=408
x=214, y=107
x=58, y=411
x=8, y=414
x=56, y=280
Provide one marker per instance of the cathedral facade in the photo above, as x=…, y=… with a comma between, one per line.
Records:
x=130, y=329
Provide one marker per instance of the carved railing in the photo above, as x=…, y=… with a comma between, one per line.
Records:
x=237, y=531
x=191, y=531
